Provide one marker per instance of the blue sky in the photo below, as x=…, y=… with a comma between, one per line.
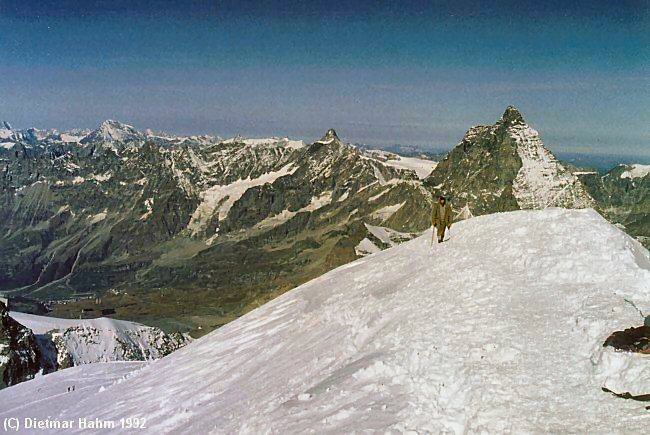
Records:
x=406, y=72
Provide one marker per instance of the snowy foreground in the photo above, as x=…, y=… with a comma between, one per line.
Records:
x=500, y=329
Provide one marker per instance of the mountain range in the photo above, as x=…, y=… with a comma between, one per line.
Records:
x=148, y=223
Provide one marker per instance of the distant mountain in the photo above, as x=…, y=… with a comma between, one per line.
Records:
x=599, y=162
x=503, y=167
x=623, y=195
x=31, y=345
x=66, y=343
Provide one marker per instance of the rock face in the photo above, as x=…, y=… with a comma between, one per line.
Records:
x=503, y=167
x=19, y=353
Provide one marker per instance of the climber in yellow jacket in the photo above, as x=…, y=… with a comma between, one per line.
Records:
x=441, y=217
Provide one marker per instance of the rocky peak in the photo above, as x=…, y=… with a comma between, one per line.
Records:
x=5, y=125
x=511, y=116
x=329, y=137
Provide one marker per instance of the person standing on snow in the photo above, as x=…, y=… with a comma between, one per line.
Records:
x=441, y=217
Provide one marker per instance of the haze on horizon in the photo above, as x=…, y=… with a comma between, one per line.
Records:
x=379, y=72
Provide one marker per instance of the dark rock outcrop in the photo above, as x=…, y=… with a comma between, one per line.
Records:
x=19, y=354
x=631, y=340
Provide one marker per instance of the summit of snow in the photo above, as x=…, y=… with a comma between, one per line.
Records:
x=498, y=330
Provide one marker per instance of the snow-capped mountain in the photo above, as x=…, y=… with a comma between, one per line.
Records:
x=505, y=166
x=66, y=343
x=498, y=330
x=33, y=345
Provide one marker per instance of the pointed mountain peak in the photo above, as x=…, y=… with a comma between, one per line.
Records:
x=113, y=131
x=329, y=137
x=112, y=124
x=5, y=125
x=512, y=116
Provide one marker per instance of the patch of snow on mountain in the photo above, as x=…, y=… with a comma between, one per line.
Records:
x=388, y=236
x=498, y=330
x=221, y=198
x=379, y=195
x=70, y=138
x=95, y=218
x=421, y=167
x=366, y=247
x=7, y=145
x=316, y=203
x=148, y=203
x=271, y=141
x=101, y=177
x=385, y=213
x=637, y=171
x=378, y=175
x=542, y=181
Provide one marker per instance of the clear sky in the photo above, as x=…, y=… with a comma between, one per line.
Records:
x=409, y=72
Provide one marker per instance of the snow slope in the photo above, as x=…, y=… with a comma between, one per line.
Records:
x=500, y=329
x=23, y=400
